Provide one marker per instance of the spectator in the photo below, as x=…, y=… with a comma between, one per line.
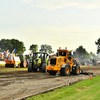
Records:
x=6, y=55
x=12, y=55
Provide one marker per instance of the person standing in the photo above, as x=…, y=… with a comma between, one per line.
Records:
x=6, y=55
x=12, y=55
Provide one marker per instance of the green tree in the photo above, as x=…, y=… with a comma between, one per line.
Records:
x=11, y=44
x=81, y=53
x=0, y=49
x=33, y=47
x=98, y=45
x=92, y=55
x=45, y=48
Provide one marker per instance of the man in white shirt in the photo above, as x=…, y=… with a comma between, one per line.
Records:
x=12, y=55
x=6, y=55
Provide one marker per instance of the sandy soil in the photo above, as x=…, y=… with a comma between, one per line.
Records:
x=20, y=84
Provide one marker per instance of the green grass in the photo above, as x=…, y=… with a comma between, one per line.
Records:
x=13, y=69
x=2, y=64
x=85, y=65
x=84, y=90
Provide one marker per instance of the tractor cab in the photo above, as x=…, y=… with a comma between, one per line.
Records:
x=42, y=55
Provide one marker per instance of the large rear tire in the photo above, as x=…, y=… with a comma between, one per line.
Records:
x=65, y=71
x=76, y=70
x=29, y=67
x=52, y=72
x=44, y=67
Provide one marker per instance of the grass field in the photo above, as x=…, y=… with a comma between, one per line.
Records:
x=13, y=69
x=84, y=90
x=9, y=69
x=2, y=64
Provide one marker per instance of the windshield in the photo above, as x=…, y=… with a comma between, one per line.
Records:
x=43, y=56
x=62, y=53
x=37, y=55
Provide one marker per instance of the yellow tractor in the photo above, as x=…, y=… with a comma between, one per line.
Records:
x=63, y=63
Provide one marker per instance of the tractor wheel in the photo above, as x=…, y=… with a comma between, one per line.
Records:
x=76, y=70
x=65, y=71
x=29, y=67
x=34, y=69
x=44, y=67
x=6, y=65
x=52, y=72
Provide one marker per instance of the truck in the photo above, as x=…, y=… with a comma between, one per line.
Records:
x=64, y=63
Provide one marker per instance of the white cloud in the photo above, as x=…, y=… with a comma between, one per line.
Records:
x=26, y=1
x=58, y=4
x=71, y=36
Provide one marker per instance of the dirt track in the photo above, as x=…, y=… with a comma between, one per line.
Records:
x=14, y=85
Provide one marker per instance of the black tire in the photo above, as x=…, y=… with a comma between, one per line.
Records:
x=29, y=67
x=52, y=72
x=44, y=67
x=76, y=70
x=33, y=68
x=6, y=65
x=65, y=71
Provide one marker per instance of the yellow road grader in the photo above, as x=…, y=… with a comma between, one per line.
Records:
x=63, y=63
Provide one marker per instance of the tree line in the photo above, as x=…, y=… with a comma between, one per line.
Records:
x=11, y=44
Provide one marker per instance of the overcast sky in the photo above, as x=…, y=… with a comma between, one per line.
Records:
x=59, y=23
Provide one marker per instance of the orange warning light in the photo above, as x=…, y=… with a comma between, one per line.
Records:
x=59, y=47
